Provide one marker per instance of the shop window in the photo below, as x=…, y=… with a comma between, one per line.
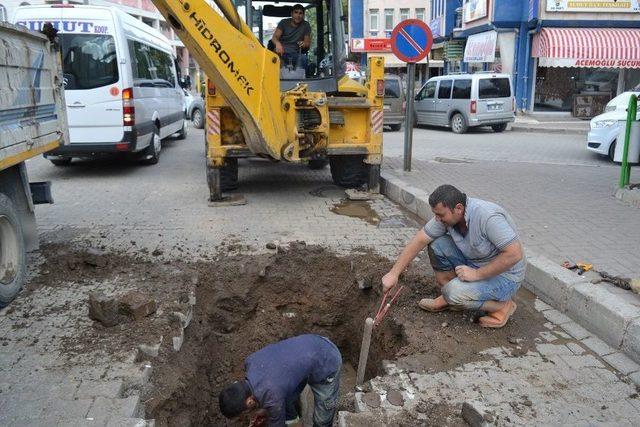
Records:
x=373, y=20
x=632, y=79
x=559, y=88
x=444, y=91
x=388, y=19
x=462, y=89
x=404, y=14
x=420, y=13
x=494, y=88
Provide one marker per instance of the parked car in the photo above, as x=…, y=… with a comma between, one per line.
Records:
x=462, y=101
x=604, y=128
x=194, y=109
x=393, y=102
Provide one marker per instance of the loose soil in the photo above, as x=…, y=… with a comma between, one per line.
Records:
x=246, y=301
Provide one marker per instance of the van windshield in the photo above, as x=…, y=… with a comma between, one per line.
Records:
x=392, y=88
x=89, y=61
x=494, y=88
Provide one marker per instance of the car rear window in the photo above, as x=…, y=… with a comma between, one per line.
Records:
x=392, y=88
x=89, y=61
x=462, y=89
x=444, y=91
x=494, y=88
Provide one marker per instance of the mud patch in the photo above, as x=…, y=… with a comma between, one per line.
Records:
x=357, y=209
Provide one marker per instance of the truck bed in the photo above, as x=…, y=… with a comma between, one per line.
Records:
x=32, y=110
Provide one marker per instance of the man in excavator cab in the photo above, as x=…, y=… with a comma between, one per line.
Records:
x=292, y=39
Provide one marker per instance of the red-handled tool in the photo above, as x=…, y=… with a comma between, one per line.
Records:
x=384, y=306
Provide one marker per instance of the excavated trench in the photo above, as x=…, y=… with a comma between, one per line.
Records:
x=245, y=303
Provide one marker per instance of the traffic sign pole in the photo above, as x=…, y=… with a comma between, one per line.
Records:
x=408, y=119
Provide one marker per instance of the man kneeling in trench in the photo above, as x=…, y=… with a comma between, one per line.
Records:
x=476, y=255
x=277, y=374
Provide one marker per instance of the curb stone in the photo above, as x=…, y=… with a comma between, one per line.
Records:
x=631, y=196
x=602, y=313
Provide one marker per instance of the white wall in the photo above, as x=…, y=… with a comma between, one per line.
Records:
x=396, y=5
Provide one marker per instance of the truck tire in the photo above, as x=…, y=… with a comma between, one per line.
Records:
x=13, y=257
x=197, y=118
x=349, y=171
x=229, y=175
x=317, y=164
x=151, y=154
x=61, y=161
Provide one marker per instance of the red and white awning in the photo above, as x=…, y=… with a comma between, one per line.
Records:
x=587, y=47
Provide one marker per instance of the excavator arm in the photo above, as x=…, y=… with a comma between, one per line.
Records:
x=246, y=73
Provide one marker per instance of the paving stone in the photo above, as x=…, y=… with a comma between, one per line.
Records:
x=575, y=348
x=635, y=377
x=541, y=305
x=553, y=349
x=621, y=363
x=576, y=331
x=598, y=346
x=110, y=389
x=103, y=408
x=71, y=409
x=584, y=361
x=556, y=317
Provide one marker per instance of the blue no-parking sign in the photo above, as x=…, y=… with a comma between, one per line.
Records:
x=411, y=40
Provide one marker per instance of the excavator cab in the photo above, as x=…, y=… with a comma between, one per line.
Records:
x=325, y=58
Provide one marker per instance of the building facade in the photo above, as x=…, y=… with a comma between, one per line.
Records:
x=564, y=56
x=370, y=25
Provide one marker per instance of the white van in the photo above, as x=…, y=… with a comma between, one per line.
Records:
x=121, y=86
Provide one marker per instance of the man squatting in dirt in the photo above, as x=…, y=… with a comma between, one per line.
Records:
x=475, y=253
x=277, y=374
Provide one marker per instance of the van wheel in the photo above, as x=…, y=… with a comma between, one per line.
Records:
x=197, y=118
x=395, y=128
x=229, y=175
x=182, y=133
x=499, y=128
x=61, y=161
x=151, y=154
x=349, y=171
x=458, y=123
x=12, y=252
x=612, y=150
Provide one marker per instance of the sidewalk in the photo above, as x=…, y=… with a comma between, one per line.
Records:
x=550, y=124
x=556, y=214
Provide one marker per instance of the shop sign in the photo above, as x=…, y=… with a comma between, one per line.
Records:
x=453, y=50
x=436, y=27
x=609, y=6
x=371, y=45
x=475, y=9
x=589, y=63
x=481, y=47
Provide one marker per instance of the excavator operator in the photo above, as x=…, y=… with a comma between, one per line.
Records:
x=292, y=38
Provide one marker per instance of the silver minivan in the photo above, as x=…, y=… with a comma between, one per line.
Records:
x=461, y=101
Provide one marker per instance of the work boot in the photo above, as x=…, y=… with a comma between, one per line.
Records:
x=498, y=319
x=433, y=305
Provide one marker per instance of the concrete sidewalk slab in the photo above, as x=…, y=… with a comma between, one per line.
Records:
x=609, y=316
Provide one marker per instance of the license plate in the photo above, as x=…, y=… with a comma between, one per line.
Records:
x=495, y=107
x=386, y=107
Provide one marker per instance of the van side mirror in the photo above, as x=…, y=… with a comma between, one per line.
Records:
x=185, y=82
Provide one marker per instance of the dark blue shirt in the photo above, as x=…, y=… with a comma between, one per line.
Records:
x=281, y=370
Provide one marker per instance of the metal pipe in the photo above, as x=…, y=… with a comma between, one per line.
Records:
x=625, y=171
x=364, y=350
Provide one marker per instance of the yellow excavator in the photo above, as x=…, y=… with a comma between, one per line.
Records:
x=258, y=106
